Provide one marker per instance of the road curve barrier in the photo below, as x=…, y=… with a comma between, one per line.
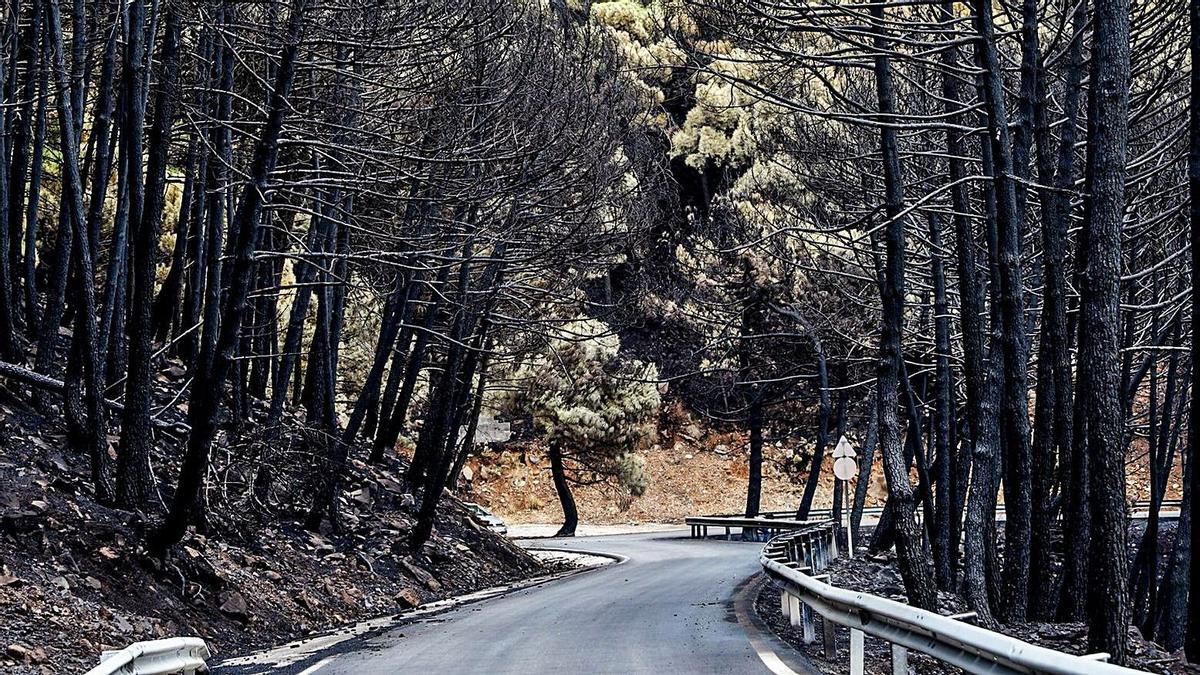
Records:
x=795, y=560
x=156, y=657
x=1168, y=510
x=758, y=528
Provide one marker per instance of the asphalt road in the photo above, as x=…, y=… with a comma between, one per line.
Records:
x=670, y=607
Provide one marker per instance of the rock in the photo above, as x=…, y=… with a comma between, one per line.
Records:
x=468, y=474
x=19, y=652
x=408, y=599
x=422, y=575
x=109, y=553
x=272, y=575
x=122, y=624
x=390, y=485
x=307, y=601
x=92, y=583
x=9, y=580
x=234, y=605
x=407, y=500
x=61, y=583
x=721, y=449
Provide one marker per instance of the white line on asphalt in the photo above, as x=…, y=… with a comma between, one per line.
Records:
x=743, y=606
x=316, y=666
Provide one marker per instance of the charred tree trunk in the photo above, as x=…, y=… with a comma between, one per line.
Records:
x=755, y=424
x=205, y=399
x=914, y=566
x=85, y=410
x=945, y=548
x=1192, y=640
x=135, y=482
x=1099, y=338
x=1052, y=438
x=1010, y=297
x=563, y=488
x=866, y=462
x=823, y=412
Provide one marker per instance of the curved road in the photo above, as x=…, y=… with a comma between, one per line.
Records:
x=675, y=605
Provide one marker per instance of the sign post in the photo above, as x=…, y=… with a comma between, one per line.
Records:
x=845, y=467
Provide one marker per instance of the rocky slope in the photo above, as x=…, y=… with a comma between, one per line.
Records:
x=75, y=578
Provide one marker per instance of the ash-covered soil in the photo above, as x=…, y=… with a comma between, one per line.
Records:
x=75, y=578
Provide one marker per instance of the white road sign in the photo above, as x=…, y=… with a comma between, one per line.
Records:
x=844, y=449
x=845, y=468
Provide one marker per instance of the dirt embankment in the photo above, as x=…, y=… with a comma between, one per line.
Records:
x=75, y=578
x=696, y=470
x=692, y=471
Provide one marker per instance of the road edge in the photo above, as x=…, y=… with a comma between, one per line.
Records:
x=293, y=659
x=776, y=655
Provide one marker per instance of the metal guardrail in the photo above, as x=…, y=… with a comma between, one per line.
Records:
x=766, y=526
x=156, y=657
x=826, y=513
x=795, y=560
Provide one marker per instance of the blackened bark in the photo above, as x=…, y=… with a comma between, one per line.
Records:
x=87, y=427
x=866, y=462
x=135, y=482
x=1192, y=640
x=33, y=316
x=166, y=303
x=1052, y=438
x=914, y=566
x=205, y=398
x=971, y=310
x=306, y=274
x=9, y=347
x=468, y=440
x=945, y=548
x=1099, y=339
x=563, y=488
x=1143, y=577
x=1174, y=618
x=1011, y=299
x=754, y=482
x=391, y=425
x=23, y=140
x=823, y=412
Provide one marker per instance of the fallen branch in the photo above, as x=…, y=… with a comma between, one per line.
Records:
x=34, y=379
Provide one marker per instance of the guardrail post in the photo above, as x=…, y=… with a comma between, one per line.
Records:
x=794, y=610
x=829, y=637
x=784, y=603
x=856, y=652
x=807, y=629
x=899, y=660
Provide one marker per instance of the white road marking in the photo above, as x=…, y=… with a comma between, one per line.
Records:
x=316, y=666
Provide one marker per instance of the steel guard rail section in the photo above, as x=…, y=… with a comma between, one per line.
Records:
x=794, y=560
x=155, y=657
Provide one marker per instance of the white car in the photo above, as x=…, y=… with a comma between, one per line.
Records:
x=488, y=519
